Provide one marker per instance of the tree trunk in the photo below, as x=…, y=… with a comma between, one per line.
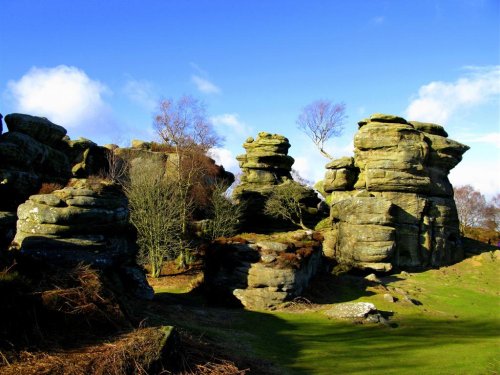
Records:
x=325, y=154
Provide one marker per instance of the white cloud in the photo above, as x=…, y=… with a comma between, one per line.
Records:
x=438, y=101
x=141, y=92
x=489, y=138
x=310, y=164
x=224, y=157
x=482, y=175
x=229, y=123
x=64, y=94
x=204, y=85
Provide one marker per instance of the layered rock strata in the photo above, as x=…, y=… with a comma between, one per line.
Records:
x=85, y=223
x=34, y=151
x=261, y=274
x=392, y=203
x=265, y=165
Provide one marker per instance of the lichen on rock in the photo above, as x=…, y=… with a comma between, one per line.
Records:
x=402, y=166
x=266, y=165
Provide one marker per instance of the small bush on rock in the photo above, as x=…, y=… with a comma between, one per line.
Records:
x=285, y=203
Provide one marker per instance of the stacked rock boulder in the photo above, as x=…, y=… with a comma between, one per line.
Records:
x=89, y=219
x=392, y=204
x=36, y=151
x=86, y=222
x=265, y=165
x=261, y=274
x=29, y=155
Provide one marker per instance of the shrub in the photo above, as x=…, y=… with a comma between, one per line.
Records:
x=224, y=215
x=285, y=203
x=156, y=213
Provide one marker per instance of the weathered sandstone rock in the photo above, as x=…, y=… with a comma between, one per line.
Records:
x=84, y=219
x=85, y=223
x=407, y=217
x=265, y=165
x=38, y=128
x=261, y=274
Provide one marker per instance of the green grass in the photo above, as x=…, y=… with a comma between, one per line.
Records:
x=455, y=330
x=311, y=344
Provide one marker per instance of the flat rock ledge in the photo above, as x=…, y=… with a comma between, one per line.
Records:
x=351, y=310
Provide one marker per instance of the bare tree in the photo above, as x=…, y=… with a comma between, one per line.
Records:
x=322, y=120
x=496, y=212
x=184, y=127
x=117, y=168
x=471, y=207
x=493, y=213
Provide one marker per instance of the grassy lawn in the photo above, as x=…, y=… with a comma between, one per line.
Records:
x=452, y=329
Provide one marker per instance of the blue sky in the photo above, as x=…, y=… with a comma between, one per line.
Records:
x=99, y=68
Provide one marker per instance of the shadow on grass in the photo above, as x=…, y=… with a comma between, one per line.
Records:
x=309, y=343
x=328, y=288
x=346, y=348
x=474, y=247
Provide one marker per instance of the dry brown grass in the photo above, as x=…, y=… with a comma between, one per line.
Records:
x=201, y=357
x=162, y=147
x=81, y=293
x=49, y=187
x=131, y=353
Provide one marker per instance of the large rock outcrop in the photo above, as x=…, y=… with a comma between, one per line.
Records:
x=62, y=215
x=392, y=204
x=36, y=151
x=84, y=223
x=265, y=165
x=261, y=274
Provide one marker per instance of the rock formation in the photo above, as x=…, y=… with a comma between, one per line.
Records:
x=89, y=218
x=265, y=165
x=87, y=221
x=392, y=204
x=65, y=213
x=261, y=274
x=34, y=151
x=84, y=223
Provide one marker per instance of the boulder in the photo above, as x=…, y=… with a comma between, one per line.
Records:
x=341, y=175
x=399, y=210
x=31, y=154
x=261, y=274
x=351, y=310
x=429, y=128
x=93, y=229
x=261, y=298
x=38, y=128
x=87, y=158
